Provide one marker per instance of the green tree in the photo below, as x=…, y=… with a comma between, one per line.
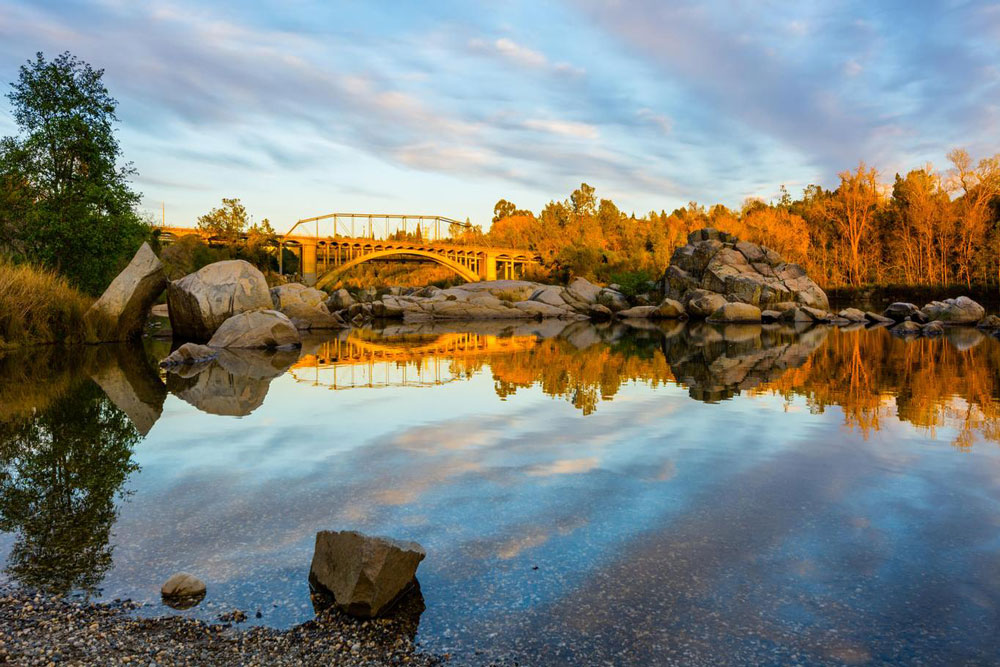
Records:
x=226, y=223
x=65, y=200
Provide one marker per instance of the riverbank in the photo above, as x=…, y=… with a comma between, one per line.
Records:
x=45, y=630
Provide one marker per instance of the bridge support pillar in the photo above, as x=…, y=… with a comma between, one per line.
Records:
x=308, y=263
x=488, y=266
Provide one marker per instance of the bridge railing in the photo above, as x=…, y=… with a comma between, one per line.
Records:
x=382, y=226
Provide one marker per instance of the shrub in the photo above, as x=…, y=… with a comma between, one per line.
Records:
x=39, y=306
x=632, y=282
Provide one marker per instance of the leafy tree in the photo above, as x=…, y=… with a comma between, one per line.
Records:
x=65, y=201
x=226, y=223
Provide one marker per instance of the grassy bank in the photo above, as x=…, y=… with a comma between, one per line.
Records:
x=38, y=306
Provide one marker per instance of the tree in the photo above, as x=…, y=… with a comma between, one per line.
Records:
x=227, y=223
x=855, y=203
x=978, y=185
x=74, y=207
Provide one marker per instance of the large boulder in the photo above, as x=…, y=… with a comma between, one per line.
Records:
x=339, y=300
x=366, y=575
x=256, y=329
x=200, y=302
x=127, y=300
x=962, y=310
x=305, y=307
x=736, y=311
x=738, y=271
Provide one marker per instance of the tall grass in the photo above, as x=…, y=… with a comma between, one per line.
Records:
x=39, y=306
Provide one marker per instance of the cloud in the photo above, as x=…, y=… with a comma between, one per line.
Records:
x=566, y=128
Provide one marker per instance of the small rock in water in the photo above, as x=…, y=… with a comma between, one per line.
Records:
x=183, y=590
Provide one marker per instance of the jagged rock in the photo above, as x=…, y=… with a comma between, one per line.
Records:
x=637, y=312
x=257, y=329
x=991, y=323
x=366, y=575
x=738, y=270
x=736, y=312
x=932, y=329
x=200, y=302
x=961, y=310
x=126, y=302
x=702, y=303
x=183, y=585
x=852, y=314
x=190, y=353
x=877, y=319
x=670, y=309
x=600, y=313
x=899, y=311
x=340, y=299
x=906, y=328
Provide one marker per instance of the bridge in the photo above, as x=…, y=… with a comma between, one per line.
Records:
x=328, y=246
x=367, y=360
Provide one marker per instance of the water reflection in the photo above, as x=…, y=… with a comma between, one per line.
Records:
x=63, y=465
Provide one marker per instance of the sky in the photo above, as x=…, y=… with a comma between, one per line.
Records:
x=302, y=108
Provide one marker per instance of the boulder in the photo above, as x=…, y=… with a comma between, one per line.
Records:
x=612, y=299
x=703, y=303
x=877, y=319
x=126, y=302
x=637, y=312
x=906, y=328
x=584, y=290
x=283, y=296
x=736, y=312
x=899, y=311
x=256, y=329
x=341, y=299
x=365, y=575
x=600, y=313
x=991, y=323
x=183, y=585
x=200, y=302
x=190, y=353
x=797, y=315
x=739, y=271
x=670, y=309
x=961, y=310
x=769, y=315
x=852, y=315
x=932, y=329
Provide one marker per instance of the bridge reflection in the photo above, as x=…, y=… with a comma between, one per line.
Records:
x=367, y=360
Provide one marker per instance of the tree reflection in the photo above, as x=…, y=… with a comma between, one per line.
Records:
x=61, y=469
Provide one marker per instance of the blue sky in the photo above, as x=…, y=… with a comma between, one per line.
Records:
x=302, y=108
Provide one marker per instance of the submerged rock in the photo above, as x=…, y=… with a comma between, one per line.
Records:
x=126, y=302
x=991, y=323
x=907, y=328
x=183, y=590
x=366, y=575
x=852, y=315
x=200, y=302
x=899, y=311
x=189, y=353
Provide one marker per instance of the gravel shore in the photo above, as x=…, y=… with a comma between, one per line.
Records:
x=44, y=630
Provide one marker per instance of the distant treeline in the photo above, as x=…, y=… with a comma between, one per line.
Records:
x=925, y=228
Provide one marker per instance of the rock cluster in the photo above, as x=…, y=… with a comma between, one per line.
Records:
x=366, y=575
x=909, y=320
x=716, y=267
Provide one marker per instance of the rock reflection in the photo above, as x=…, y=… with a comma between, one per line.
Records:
x=234, y=384
x=63, y=464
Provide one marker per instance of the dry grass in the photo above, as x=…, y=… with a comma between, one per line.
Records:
x=39, y=306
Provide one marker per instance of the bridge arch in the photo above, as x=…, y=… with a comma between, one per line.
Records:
x=334, y=274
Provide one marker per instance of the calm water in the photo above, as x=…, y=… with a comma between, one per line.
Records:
x=585, y=494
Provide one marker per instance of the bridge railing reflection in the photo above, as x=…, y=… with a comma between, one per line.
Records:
x=363, y=360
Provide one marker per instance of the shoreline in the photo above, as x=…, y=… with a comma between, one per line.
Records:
x=38, y=629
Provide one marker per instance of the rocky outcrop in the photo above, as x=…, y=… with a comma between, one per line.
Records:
x=256, y=329
x=305, y=307
x=366, y=575
x=200, y=302
x=961, y=310
x=738, y=271
x=121, y=311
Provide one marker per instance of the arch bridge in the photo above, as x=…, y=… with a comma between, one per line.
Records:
x=328, y=246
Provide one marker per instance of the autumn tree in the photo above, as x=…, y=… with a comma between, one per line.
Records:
x=853, y=208
x=225, y=223
x=977, y=185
